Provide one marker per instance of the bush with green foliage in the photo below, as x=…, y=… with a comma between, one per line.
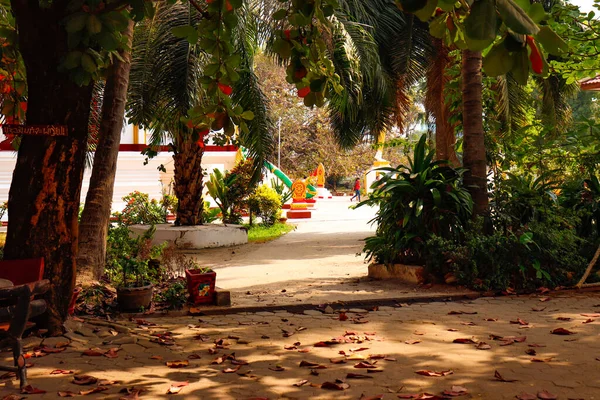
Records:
x=583, y=197
x=266, y=204
x=218, y=187
x=284, y=193
x=416, y=202
x=139, y=209
x=174, y=295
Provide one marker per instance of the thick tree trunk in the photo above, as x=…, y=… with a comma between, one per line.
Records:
x=93, y=227
x=45, y=189
x=474, y=145
x=435, y=102
x=188, y=183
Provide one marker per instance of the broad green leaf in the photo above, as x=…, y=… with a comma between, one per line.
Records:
x=520, y=69
x=426, y=12
x=183, y=31
x=94, y=25
x=211, y=69
x=279, y=14
x=317, y=85
x=480, y=24
x=88, y=64
x=248, y=115
x=515, y=18
x=437, y=27
x=107, y=40
x=476, y=45
x=537, y=12
x=76, y=22
x=524, y=4
x=552, y=43
x=73, y=59
x=282, y=48
x=497, y=61
x=233, y=60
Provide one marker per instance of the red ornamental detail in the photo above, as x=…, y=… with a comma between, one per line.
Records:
x=303, y=92
x=537, y=63
x=226, y=89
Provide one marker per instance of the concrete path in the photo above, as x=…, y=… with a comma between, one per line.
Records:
x=319, y=262
x=489, y=348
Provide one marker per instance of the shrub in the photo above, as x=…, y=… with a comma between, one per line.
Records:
x=583, y=197
x=174, y=295
x=284, y=193
x=218, y=187
x=416, y=202
x=139, y=209
x=266, y=204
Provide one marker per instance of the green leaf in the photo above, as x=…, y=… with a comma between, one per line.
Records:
x=318, y=85
x=211, y=69
x=520, y=69
x=94, y=25
x=497, y=61
x=247, y=115
x=73, y=59
x=282, y=48
x=76, y=22
x=279, y=14
x=515, y=18
x=88, y=64
x=107, y=40
x=437, y=27
x=233, y=60
x=183, y=31
x=537, y=12
x=426, y=12
x=552, y=43
x=480, y=24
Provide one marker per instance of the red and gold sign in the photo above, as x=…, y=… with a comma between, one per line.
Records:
x=35, y=130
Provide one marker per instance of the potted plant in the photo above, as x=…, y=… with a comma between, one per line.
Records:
x=200, y=283
x=129, y=257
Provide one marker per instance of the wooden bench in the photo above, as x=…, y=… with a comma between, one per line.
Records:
x=16, y=308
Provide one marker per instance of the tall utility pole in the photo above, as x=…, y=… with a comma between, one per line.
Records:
x=279, y=144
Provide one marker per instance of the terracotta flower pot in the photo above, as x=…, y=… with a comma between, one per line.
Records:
x=134, y=298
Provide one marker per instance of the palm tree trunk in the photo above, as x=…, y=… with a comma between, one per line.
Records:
x=474, y=158
x=188, y=183
x=46, y=185
x=435, y=102
x=93, y=227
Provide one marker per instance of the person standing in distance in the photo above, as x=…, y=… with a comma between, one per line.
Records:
x=356, y=189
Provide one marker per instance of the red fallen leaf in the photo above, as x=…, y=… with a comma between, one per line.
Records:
x=377, y=356
x=144, y=322
x=301, y=383
x=543, y=290
x=67, y=393
x=531, y=352
x=50, y=350
x=194, y=356
x=561, y=331
x=8, y=375
x=60, y=372
x=491, y=319
x=455, y=391
x=112, y=353
x=359, y=321
x=176, y=387
x=93, y=353
x=536, y=345
x=389, y=359
x=546, y=395
x=520, y=322
x=452, y=330
x=304, y=350
x=462, y=312
x=314, y=365
x=538, y=309
x=84, y=380
x=290, y=347
x=239, y=362
x=177, y=363
x=499, y=377
x=563, y=318
x=412, y=341
x=543, y=299
x=334, y=386
x=419, y=333
x=526, y=396
x=370, y=333
x=340, y=360
x=373, y=370
x=434, y=373
x=314, y=372
x=358, y=376
x=324, y=344
x=132, y=393
x=483, y=346
x=343, y=316
x=355, y=349
x=365, y=364
x=231, y=370
x=464, y=341
x=156, y=358
x=587, y=321
x=31, y=390
x=97, y=389
x=350, y=333
x=277, y=368
x=590, y=315
x=541, y=359
x=468, y=323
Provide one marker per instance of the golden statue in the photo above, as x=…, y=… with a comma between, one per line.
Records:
x=320, y=175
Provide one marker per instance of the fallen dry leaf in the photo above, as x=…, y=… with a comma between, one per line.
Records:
x=377, y=356
x=561, y=331
x=376, y=397
x=538, y=309
x=239, y=362
x=50, y=350
x=587, y=321
x=343, y=316
x=531, y=352
x=434, y=373
x=156, y=358
x=455, y=391
x=590, y=315
x=483, y=346
x=13, y=397
x=176, y=387
x=536, y=345
x=194, y=356
x=491, y=319
x=520, y=322
x=452, y=330
x=310, y=364
x=97, y=389
x=351, y=375
x=84, y=380
x=130, y=393
x=545, y=299
x=277, y=368
x=31, y=390
x=546, y=395
x=526, y=396
x=468, y=323
x=93, y=353
x=177, y=363
x=112, y=353
x=418, y=333
x=334, y=386
x=462, y=312
x=290, y=347
x=301, y=383
x=365, y=364
x=231, y=370
x=541, y=359
x=499, y=377
x=564, y=318
x=67, y=393
x=464, y=341
x=340, y=360
x=412, y=341
x=61, y=372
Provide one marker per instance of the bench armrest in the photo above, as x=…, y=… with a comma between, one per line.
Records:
x=28, y=289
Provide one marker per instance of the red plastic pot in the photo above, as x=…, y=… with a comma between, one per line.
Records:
x=76, y=292
x=201, y=285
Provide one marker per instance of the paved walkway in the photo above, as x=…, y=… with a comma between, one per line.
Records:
x=319, y=262
x=292, y=356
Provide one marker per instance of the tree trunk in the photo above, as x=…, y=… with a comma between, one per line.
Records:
x=435, y=102
x=93, y=227
x=46, y=185
x=188, y=183
x=474, y=145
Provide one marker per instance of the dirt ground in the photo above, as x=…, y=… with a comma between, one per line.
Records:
x=279, y=355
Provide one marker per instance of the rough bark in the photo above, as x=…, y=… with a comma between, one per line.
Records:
x=46, y=185
x=188, y=183
x=435, y=102
x=93, y=227
x=473, y=135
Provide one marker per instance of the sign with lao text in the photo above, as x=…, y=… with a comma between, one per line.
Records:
x=37, y=130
